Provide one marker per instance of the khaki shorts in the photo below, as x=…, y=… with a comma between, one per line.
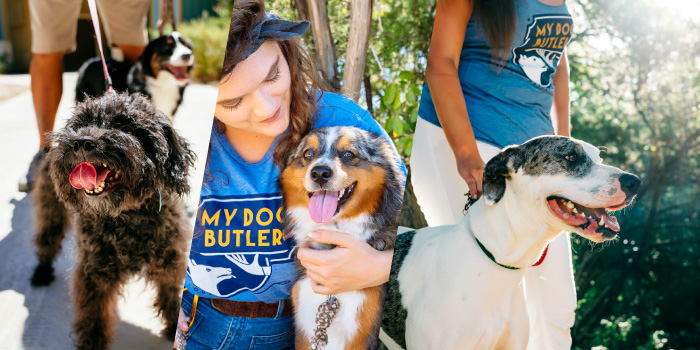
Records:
x=54, y=23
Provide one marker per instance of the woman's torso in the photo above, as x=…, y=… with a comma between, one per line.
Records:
x=239, y=251
x=511, y=105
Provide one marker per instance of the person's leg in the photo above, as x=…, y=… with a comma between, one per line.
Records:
x=440, y=190
x=53, y=25
x=125, y=25
x=427, y=171
x=131, y=52
x=46, y=71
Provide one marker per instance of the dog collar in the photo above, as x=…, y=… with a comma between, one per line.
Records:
x=488, y=254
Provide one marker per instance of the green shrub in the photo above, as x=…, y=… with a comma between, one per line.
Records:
x=208, y=35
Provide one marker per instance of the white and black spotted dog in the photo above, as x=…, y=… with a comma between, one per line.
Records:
x=460, y=286
x=342, y=179
x=161, y=73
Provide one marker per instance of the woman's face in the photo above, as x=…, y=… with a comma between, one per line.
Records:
x=256, y=96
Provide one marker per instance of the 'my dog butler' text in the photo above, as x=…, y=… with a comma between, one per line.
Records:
x=249, y=227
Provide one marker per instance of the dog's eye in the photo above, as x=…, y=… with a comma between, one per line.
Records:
x=128, y=130
x=348, y=155
x=572, y=157
x=308, y=153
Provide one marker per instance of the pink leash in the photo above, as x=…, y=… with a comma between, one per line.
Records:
x=96, y=24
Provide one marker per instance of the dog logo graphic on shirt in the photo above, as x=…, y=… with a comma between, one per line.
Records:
x=542, y=48
x=210, y=278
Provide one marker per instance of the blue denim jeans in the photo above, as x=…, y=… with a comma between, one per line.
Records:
x=214, y=330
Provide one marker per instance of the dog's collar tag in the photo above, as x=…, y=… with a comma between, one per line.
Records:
x=324, y=316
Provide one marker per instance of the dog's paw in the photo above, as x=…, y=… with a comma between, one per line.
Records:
x=43, y=275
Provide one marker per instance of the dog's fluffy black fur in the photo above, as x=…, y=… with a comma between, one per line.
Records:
x=126, y=229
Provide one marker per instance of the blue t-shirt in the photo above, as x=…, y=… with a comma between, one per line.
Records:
x=238, y=249
x=512, y=105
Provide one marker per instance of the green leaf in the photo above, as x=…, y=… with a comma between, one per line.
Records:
x=416, y=90
x=408, y=147
x=397, y=102
x=389, y=124
x=390, y=94
x=413, y=117
x=410, y=96
x=397, y=126
x=406, y=75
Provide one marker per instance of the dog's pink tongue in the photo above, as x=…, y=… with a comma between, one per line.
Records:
x=610, y=221
x=322, y=205
x=178, y=72
x=84, y=175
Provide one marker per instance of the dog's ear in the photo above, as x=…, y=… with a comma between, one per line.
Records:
x=497, y=170
x=180, y=160
x=135, y=80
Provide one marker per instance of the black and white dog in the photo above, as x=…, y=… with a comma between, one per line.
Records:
x=460, y=287
x=161, y=73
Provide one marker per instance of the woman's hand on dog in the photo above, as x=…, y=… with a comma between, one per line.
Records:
x=471, y=168
x=351, y=265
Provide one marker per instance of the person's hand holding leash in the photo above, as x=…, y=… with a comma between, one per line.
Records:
x=351, y=265
x=471, y=168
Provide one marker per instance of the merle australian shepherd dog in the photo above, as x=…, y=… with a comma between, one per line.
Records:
x=349, y=180
x=161, y=73
x=117, y=171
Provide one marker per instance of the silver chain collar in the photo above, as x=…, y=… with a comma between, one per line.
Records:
x=324, y=316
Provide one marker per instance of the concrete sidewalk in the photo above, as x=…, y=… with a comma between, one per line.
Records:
x=41, y=318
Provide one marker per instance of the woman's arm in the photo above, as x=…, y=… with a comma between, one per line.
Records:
x=449, y=27
x=352, y=265
x=561, y=104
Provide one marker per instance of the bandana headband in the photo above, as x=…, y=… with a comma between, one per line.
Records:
x=272, y=27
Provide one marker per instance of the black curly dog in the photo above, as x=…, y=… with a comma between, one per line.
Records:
x=118, y=170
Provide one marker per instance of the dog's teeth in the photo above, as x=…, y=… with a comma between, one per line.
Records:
x=574, y=211
x=601, y=222
x=569, y=204
x=104, y=165
x=342, y=193
x=111, y=178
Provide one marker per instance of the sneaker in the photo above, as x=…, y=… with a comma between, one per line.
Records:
x=27, y=182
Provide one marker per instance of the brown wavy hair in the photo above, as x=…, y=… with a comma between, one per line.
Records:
x=306, y=86
x=498, y=20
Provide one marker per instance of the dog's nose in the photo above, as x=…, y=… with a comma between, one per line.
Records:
x=84, y=143
x=630, y=183
x=186, y=57
x=321, y=174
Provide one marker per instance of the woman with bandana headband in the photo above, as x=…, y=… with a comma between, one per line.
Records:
x=241, y=269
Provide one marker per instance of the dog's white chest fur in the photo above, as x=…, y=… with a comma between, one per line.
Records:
x=165, y=92
x=481, y=306
x=344, y=325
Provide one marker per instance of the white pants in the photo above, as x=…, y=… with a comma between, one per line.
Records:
x=440, y=192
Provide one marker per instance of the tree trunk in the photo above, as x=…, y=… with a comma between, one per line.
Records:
x=316, y=11
x=358, y=39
